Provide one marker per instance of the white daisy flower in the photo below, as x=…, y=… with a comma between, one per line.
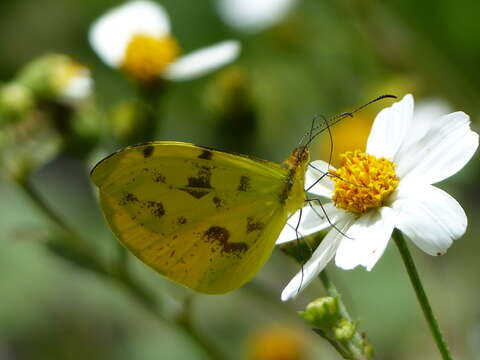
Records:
x=136, y=38
x=388, y=186
x=253, y=15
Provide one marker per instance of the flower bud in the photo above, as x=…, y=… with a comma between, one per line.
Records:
x=344, y=330
x=26, y=146
x=322, y=313
x=57, y=77
x=16, y=101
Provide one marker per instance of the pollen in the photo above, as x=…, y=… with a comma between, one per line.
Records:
x=146, y=57
x=363, y=182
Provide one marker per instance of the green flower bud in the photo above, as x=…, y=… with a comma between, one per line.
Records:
x=57, y=77
x=322, y=313
x=344, y=330
x=16, y=101
x=26, y=146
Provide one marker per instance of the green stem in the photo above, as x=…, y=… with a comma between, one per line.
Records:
x=337, y=346
x=152, y=95
x=355, y=348
x=357, y=344
x=421, y=295
x=119, y=273
x=77, y=243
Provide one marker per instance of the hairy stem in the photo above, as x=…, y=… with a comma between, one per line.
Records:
x=356, y=345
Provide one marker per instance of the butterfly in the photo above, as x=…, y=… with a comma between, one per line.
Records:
x=203, y=218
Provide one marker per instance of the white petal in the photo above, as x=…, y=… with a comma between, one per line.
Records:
x=320, y=258
x=316, y=182
x=202, y=61
x=390, y=128
x=79, y=87
x=425, y=116
x=445, y=148
x=366, y=240
x=430, y=217
x=110, y=34
x=313, y=220
x=253, y=15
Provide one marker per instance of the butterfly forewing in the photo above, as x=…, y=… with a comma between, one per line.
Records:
x=201, y=217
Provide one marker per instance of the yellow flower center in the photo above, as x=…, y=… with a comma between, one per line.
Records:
x=146, y=56
x=363, y=182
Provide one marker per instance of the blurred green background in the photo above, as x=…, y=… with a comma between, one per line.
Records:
x=324, y=57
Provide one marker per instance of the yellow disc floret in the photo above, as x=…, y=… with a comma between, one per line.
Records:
x=363, y=182
x=146, y=56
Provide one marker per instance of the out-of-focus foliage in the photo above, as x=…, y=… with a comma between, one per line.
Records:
x=324, y=57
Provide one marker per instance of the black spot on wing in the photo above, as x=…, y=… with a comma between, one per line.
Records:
x=202, y=180
x=206, y=155
x=253, y=225
x=244, y=184
x=156, y=208
x=127, y=198
x=148, y=151
x=130, y=197
x=158, y=177
x=218, y=202
x=182, y=220
x=220, y=235
x=197, y=194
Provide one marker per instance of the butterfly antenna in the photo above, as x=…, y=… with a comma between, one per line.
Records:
x=309, y=133
x=331, y=142
x=342, y=116
x=325, y=174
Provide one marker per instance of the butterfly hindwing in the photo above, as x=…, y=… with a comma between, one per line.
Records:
x=201, y=217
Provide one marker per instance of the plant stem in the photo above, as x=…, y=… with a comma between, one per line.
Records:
x=119, y=273
x=78, y=244
x=355, y=348
x=336, y=345
x=356, y=345
x=421, y=295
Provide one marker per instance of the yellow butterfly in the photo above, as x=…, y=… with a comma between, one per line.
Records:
x=204, y=218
